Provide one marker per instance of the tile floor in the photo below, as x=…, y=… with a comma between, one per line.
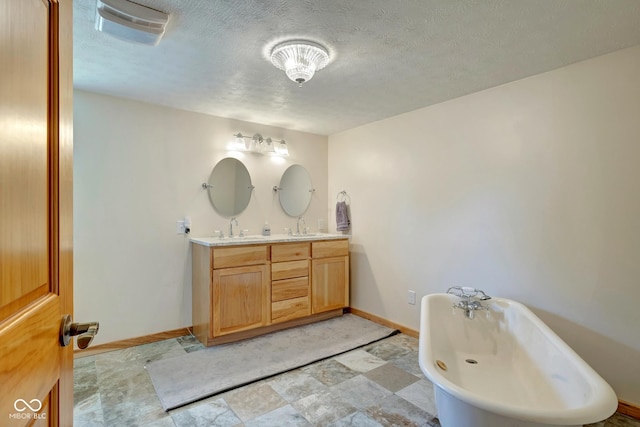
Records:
x=376, y=385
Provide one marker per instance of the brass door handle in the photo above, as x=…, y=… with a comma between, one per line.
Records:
x=84, y=331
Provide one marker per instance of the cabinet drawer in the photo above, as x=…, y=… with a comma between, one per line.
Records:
x=289, y=288
x=289, y=251
x=282, y=311
x=330, y=248
x=239, y=256
x=289, y=270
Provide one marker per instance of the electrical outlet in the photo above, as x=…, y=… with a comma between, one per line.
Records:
x=187, y=224
x=411, y=297
x=180, y=227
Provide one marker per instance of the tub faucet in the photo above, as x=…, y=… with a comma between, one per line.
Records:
x=234, y=219
x=471, y=298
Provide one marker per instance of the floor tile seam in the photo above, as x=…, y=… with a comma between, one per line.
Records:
x=146, y=391
x=275, y=409
x=325, y=392
x=106, y=409
x=208, y=403
x=371, y=410
x=234, y=412
x=328, y=388
x=76, y=410
x=99, y=411
x=289, y=402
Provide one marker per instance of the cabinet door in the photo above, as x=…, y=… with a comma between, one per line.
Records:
x=329, y=283
x=241, y=299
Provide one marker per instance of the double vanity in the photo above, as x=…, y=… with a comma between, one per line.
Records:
x=248, y=286
x=244, y=286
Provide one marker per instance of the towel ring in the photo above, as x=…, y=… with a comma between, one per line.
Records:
x=342, y=196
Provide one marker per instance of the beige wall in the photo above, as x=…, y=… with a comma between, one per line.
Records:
x=138, y=168
x=530, y=191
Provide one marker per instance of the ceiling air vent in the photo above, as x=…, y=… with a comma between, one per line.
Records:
x=130, y=21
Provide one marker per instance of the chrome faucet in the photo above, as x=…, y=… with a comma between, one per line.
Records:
x=234, y=219
x=468, y=304
x=300, y=220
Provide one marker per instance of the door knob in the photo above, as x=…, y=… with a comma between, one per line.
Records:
x=84, y=331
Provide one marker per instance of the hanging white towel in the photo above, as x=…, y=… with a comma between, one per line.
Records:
x=342, y=217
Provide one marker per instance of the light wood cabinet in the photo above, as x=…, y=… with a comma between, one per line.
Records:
x=231, y=290
x=290, y=281
x=240, y=299
x=329, y=275
x=247, y=290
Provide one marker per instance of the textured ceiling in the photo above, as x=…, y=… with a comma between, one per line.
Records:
x=388, y=56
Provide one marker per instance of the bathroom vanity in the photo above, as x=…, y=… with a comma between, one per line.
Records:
x=244, y=287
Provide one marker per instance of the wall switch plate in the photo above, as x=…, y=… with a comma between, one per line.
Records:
x=180, y=227
x=411, y=297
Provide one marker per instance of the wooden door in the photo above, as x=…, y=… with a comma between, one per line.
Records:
x=329, y=283
x=241, y=299
x=36, y=242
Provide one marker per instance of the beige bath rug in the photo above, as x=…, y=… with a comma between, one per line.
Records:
x=194, y=376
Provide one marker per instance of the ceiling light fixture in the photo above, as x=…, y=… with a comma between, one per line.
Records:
x=258, y=144
x=130, y=21
x=300, y=59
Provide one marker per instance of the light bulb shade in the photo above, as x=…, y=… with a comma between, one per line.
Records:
x=268, y=146
x=238, y=143
x=299, y=59
x=281, y=148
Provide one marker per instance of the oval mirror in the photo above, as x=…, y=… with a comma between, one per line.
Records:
x=230, y=187
x=295, y=190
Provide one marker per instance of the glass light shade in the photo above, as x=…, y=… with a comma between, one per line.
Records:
x=267, y=146
x=238, y=143
x=299, y=59
x=281, y=149
x=258, y=145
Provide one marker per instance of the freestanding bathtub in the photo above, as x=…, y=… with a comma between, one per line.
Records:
x=505, y=368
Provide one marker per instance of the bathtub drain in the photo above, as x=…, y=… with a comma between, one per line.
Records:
x=471, y=361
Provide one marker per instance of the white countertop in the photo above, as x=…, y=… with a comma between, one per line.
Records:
x=275, y=238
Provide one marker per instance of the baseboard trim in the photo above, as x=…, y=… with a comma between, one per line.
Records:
x=630, y=409
x=384, y=322
x=132, y=342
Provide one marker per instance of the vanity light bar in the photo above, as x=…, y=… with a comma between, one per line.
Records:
x=258, y=144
